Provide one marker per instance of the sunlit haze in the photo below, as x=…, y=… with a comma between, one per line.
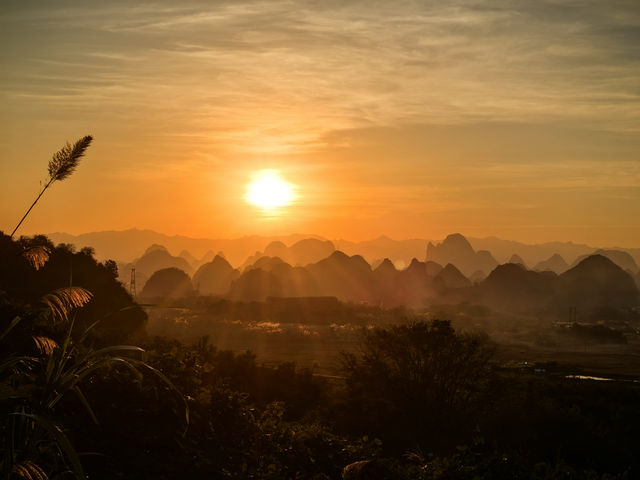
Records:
x=514, y=119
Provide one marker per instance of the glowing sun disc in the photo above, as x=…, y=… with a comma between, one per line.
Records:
x=268, y=190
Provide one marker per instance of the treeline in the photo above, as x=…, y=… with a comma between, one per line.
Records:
x=252, y=421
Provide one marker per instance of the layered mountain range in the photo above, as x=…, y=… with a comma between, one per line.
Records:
x=450, y=271
x=593, y=282
x=127, y=245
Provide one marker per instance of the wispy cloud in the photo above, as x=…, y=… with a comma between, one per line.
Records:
x=399, y=96
x=287, y=72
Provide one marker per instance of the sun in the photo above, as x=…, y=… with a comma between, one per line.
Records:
x=269, y=191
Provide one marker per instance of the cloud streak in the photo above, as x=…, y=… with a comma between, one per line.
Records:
x=180, y=87
x=247, y=69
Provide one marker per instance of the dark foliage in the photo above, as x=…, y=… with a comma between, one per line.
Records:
x=419, y=383
x=592, y=333
x=421, y=401
x=22, y=288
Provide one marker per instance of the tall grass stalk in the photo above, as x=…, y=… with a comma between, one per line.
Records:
x=61, y=166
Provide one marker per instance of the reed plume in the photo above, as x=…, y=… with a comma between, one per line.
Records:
x=63, y=300
x=37, y=256
x=45, y=345
x=61, y=166
x=28, y=471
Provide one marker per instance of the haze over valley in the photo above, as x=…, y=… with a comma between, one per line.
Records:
x=534, y=296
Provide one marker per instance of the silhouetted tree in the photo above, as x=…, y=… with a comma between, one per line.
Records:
x=22, y=287
x=418, y=380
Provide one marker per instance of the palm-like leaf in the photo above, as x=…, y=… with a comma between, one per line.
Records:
x=60, y=440
x=28, y=471
x=41, y=382
x=12, y=324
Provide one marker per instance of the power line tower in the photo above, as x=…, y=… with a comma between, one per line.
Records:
x=132, y=283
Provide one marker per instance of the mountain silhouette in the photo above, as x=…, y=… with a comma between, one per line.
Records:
x=485, y=261
x=385, y=276
x=517, y=259
x=432, y=268
x=620, y=258
x=215, y=277
x=531, y=253
x=206, y=258
x=413, y=286
x=457, y=250
x=555, y=263
x=256, y=284
x=303, y=252
x=451, y=277
x=125, y=245
x=344, y=277
x=596, y=281
x=400, y=252
x=377, y=262
x=209, y=256
x=385, y=271
x=511, y=287
x=191, y=260
x=310, y=250
x=295, y=281
x=167, y=284
x=477, y=276
x=154, y=248
x=269, y=264
x=292, y=281
x=276, y=249
x=158, y=257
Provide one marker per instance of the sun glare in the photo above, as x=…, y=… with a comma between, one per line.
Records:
x=269, y=191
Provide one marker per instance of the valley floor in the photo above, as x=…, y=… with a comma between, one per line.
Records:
x=520, y=342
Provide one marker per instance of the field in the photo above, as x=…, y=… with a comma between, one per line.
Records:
x=280, y=336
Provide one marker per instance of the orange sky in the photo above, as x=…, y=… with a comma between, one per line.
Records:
x=411, y=119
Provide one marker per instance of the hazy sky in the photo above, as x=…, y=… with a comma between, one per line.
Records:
x=519, y=119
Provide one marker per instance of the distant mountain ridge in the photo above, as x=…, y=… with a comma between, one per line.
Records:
x=456, y=250
x=621, y=258
x=606, y=278
x=555, y=263
x=536, y=253
x=302, y=252
x=400, y=252
x=127, y=245
x=595, y=282
x=214, y=277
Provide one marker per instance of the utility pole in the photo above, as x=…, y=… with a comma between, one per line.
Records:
x=132, y=284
